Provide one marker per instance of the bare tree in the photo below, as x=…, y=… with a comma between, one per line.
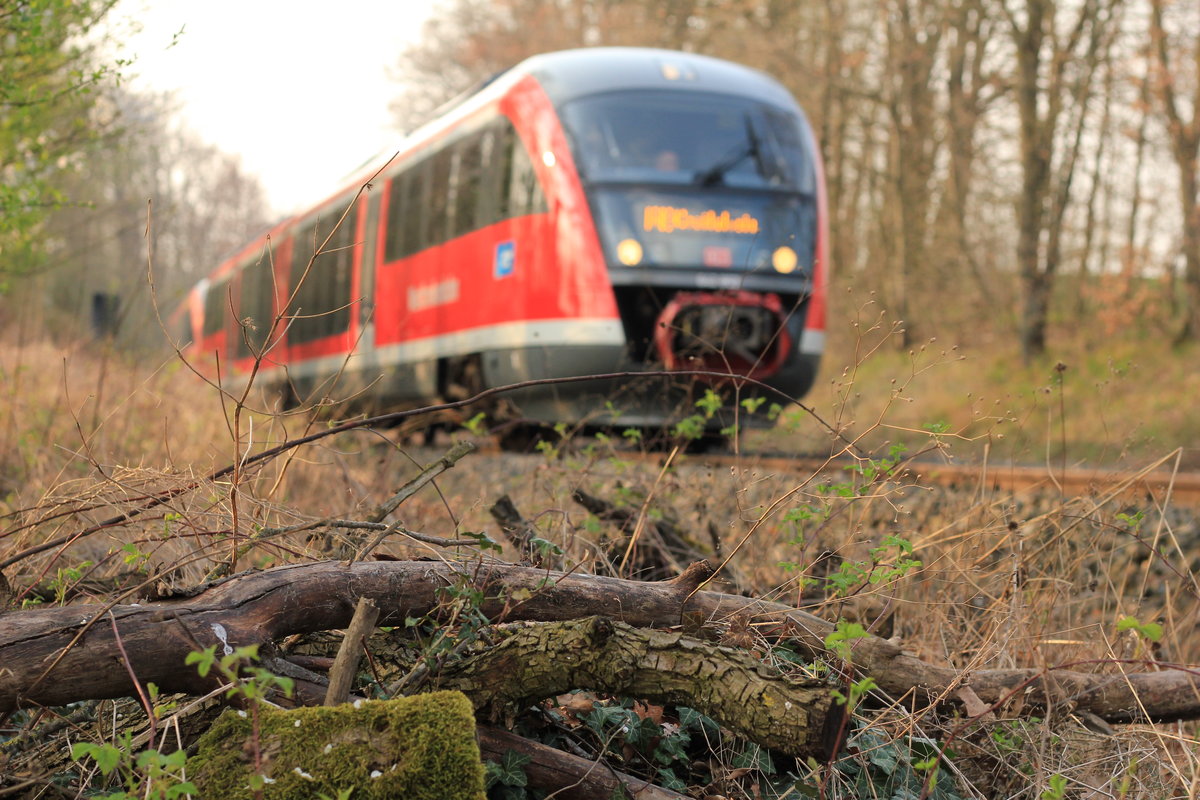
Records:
x=155, y=194
x=1183, y=129
x=972, y=88
x=1057, y=54
x=913, y=40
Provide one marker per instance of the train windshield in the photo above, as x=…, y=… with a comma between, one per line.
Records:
x=688, y=137
x=696, y=181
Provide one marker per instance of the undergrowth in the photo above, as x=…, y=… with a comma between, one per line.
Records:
x=969, y=577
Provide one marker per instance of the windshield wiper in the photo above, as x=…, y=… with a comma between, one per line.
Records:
x=716, y=173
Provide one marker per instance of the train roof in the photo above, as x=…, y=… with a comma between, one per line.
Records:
x=569, y=74
x=565, y=75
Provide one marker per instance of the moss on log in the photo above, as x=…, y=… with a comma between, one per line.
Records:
x=421, y=748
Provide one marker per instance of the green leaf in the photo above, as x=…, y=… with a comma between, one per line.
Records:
x=666, y=777
x=1150, y=630
x=755, y=757
x=600, y=718
x=106, y=756
x=509, y=771
x=204, y=659
x=641, y=734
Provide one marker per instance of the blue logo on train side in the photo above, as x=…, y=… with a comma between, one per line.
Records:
x=506, y=259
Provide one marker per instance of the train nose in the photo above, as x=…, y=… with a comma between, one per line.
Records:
x=740, y=332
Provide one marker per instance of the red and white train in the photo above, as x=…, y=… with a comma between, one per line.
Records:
x=585, y=212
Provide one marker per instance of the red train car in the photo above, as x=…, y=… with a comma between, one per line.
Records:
x=591, y=211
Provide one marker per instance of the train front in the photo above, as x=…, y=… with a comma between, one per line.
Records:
x=704, y=184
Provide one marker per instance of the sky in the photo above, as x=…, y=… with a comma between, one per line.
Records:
x=298, y=90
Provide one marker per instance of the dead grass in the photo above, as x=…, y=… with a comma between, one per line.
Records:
x=1003, y=581
x=1095, y=398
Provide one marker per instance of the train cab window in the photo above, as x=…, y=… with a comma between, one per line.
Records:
x=688, y=137
x=783, y=130
x=255, y=306
x=216, y=300
x=322, y=298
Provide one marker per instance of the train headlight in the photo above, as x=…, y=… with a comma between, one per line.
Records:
x=784, y=260
x=629, y=252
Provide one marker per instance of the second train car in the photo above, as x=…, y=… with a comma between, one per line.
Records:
x=591, y=211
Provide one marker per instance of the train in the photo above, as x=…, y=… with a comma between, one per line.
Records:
x=643, y=214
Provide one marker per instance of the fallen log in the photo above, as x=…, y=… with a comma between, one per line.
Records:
x=52, y=656
x=797, y=717
x=568, y=777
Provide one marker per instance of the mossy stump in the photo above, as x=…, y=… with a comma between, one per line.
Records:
x=412, y=747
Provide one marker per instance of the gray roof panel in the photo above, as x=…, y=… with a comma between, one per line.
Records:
x=570, y=74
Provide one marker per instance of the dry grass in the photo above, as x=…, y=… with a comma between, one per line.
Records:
x=1096, y=397
x=1003, y=581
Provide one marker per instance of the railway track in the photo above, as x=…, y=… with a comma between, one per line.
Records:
x=1161, y=482
x=1157, y=481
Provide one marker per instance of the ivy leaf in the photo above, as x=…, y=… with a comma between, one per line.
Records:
x=510, y=771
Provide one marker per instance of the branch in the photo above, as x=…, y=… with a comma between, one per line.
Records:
x=568, y=777
x=45, y=658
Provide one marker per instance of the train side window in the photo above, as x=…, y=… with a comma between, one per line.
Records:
x=304, y=288
x=183, y=329
x=370, y=248
x=437, y=219
x=503, y=165
x=397, y=203
x=323, y=297
x=525, y=193
x=215, y=301
x=341, y=272
x=254, y=306
x=414, y=185
x=468, y=180
x=487, y=180
x=515, y=190
x=482, y=179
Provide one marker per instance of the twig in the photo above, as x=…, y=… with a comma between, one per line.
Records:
x=136, y=683
x=385, y=419
x=345, y=666
x=452, y=457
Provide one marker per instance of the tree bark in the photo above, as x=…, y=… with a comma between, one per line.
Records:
x=797, y=717
x=54, y=656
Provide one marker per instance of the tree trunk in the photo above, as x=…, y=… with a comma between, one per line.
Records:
x=1184, y=135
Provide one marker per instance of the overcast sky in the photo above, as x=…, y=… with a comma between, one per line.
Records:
x=298, y=88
